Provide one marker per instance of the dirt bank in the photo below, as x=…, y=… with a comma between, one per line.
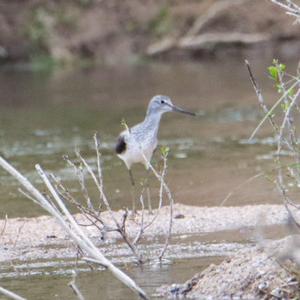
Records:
x=249, y=274
x=120, y=31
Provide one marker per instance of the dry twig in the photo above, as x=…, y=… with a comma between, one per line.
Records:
x=75, y=289
x=4, y=226
x=213, y=11
x=94, y=216
x=67, y=221
x=194, y=39
x=10, y=294
x=285, y=129
x=289, y=6
x=211, y=40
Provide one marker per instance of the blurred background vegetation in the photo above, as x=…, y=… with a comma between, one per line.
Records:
x=100, y=31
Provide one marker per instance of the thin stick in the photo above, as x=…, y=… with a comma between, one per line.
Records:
x=171, y=215
x=4, y=226
x=100, y=176
x=99, y=187
x=88, y=245
x=142, y=228
x=120, y=228
x=211, y=13
x=163, y=174
x=240, y=186
x=268, y=112
x=10, y=294
x=73, y=286
x=291, y=8
x=92, y=260
x=81, y=179
x=171, y=200
x=75, y=289
x=287, y=116
x=260, y=99
x=61, y=205
x=74, y=230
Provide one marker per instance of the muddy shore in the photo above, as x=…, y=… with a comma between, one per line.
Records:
x=250, y=269
x=123, y=31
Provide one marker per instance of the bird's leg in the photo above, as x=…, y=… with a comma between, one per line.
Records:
x=131, y=177
x=133, y=189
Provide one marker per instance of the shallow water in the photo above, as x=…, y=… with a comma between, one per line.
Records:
x=101, y=285
x=187, y=256
x=45, y=116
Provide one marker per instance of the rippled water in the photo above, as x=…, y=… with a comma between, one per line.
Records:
x=101, y=285
x=45, y=116
x=186, y=256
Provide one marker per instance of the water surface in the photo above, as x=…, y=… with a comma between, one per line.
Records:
x=46, y=116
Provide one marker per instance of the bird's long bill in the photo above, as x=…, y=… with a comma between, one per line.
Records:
x=183, y=111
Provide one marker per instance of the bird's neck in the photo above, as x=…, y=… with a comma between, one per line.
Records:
x=152, y=121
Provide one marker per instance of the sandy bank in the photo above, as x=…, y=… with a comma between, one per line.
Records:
x=40, y=234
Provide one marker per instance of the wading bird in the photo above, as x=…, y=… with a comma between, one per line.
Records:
x=137, y=144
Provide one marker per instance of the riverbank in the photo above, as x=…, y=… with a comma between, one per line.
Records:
x=250, y=269
x=21, y=235
x=115, y=32
x=255, y=273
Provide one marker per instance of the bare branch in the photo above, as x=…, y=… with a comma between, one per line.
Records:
x=271, y=111
x=69, y=224
x=10, y=294
x=290, y=7
x=213, y=11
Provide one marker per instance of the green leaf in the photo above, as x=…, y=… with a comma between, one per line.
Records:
x=273, y=71
x=282, y=67
x=164, y=150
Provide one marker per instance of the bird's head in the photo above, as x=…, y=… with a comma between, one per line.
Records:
x=160, y=104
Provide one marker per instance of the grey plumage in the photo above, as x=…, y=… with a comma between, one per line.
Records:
x=137, y=144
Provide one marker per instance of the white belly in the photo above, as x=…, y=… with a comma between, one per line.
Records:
x=135, y=153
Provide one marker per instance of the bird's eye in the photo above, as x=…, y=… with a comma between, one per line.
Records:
x=162, y=101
